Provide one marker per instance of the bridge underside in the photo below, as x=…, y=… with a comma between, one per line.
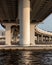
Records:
x=40, y=9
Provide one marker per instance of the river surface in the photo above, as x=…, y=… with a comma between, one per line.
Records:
x=25, y=57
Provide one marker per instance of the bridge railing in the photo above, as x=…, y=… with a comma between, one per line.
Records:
x=43, y=42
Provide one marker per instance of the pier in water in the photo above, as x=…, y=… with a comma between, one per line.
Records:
x=16, y=57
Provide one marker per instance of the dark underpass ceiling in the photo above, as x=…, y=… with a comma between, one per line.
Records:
x=8, y=10
x=40, y=9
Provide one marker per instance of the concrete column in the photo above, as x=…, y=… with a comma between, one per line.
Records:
x=32, y=34
x=24, y=18
x=49, y=39
x=8, y=34
x=42, y=38
x=38, y=38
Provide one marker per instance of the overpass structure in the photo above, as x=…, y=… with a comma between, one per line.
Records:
x=43, y=37
x=23, y=14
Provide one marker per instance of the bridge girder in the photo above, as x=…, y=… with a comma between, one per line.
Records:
x=40, y=9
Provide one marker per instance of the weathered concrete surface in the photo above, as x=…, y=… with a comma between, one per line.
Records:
x=37, y=47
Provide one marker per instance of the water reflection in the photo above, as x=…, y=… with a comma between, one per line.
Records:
x=25, y=57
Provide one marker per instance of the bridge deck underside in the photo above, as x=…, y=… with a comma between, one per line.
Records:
x=40, y=9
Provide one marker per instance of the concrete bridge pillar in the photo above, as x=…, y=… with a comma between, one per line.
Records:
x=38, y=38
x=49, y=39
x=8, y=34
x=24, y=19
x=42, y=37
x=32, y=34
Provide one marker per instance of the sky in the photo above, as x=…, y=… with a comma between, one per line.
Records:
x=1, y=28
x=45, y=24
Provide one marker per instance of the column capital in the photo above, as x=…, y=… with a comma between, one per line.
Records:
x=8, y=24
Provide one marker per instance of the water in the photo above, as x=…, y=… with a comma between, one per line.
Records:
x=16, y=57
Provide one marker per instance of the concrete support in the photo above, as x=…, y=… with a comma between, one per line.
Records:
x=32, y=34
x=42, y=38
x=8, y=34
x=38, y=38
x=24, y=18
x=49, y=39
